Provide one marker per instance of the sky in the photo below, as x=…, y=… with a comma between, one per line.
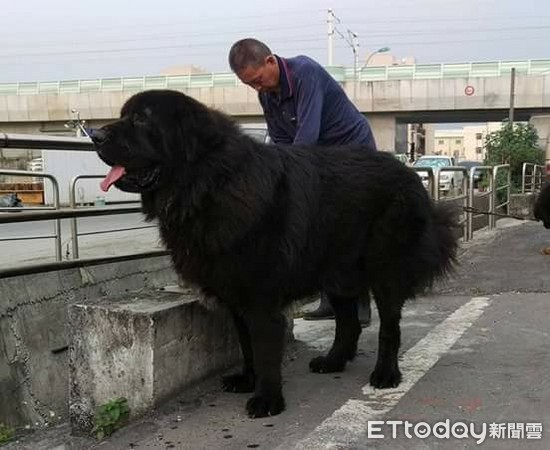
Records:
x=61, y=39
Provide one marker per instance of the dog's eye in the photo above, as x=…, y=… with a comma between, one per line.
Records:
x=139, y=120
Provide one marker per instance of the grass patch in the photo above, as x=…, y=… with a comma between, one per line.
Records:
x=110, y=417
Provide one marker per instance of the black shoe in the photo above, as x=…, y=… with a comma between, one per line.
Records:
x=323, y=312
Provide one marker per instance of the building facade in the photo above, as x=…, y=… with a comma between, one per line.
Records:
x=466, y=143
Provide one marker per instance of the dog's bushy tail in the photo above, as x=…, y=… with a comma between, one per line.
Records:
x=416, y=243
x=435, y=255
x=446, y=231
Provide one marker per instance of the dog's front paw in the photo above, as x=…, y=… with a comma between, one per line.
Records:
x=238, y=383
x=323, y=364
x=263, y=405
x=385, y=378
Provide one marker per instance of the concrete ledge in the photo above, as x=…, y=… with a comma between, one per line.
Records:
x=34, y=331
x=144, y=347
x=522, y=205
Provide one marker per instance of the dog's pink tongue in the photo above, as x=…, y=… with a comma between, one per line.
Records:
x=115, y=174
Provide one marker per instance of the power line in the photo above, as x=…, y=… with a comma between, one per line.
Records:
x=175, y=51
x=130, y=49
x=175, y=36
x=208, y=20
x=303, y=38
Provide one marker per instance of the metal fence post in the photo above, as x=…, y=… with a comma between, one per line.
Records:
x=74, y=223
x=492, y=199
x=57, y=223
x=523, y=170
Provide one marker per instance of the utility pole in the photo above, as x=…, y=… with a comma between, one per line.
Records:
x=512, y=95
x=355, y=49
x=330, y=21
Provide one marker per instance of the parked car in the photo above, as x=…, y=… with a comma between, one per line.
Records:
x=448, y=181
x=402, y=157
x=478, y=175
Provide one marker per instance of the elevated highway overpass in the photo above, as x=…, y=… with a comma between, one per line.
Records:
x=390, y=96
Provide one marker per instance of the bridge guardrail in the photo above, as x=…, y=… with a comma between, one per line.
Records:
x=340, y=73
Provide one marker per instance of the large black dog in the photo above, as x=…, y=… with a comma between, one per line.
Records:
x=542, y=205
x=261, y=225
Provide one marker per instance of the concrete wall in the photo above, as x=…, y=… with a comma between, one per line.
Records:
x=34, y=336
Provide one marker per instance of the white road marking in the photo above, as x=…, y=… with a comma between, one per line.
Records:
x=348, y=424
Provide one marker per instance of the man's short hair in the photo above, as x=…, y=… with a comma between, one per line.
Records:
x=247, y=52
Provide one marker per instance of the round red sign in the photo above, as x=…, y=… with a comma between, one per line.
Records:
x=469, y=90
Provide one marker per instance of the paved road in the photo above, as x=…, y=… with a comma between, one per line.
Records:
x=475, y=352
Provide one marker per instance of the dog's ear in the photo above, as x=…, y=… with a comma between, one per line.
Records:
x=200, y=128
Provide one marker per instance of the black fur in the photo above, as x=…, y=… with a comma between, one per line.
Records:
x=261, y=225
x=542, y=206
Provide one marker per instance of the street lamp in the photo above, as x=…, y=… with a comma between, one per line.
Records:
x=356, y=73
x=380, y=50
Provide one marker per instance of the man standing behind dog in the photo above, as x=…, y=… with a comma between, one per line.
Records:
x=303, y=105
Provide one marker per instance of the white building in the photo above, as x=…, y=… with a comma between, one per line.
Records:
x=449, y=143
x=474, y=140
x=466, y=143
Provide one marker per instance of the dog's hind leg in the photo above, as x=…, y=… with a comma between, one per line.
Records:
x=386, y=373
x=244, y=381
x=267, y=334
x=347, y=334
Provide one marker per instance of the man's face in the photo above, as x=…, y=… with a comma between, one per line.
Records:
x=263, y=78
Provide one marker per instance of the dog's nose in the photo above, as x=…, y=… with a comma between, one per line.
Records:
x=98, y=135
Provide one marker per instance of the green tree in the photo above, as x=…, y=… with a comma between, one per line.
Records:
x=514, y=145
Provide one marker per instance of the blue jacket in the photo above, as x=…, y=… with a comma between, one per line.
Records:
x=312, y=108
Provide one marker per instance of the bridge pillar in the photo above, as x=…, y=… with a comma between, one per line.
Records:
x=385, y=130
x=542, y=125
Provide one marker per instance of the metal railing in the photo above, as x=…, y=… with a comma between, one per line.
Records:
x=452, y=70
x=471, y=194
x=29, y=214
x=69, y=213
x=463, y=195
x=340, y=73
x=32, y=141
x=55, y=213
x=497, y=189
x=74, y=221
x=431, y=180
x=57, y=224
x=532, y=176
x=468, y=194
